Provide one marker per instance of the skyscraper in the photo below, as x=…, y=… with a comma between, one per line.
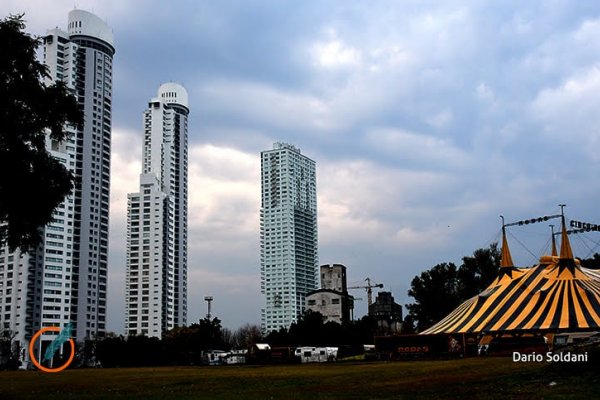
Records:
x=156, y=285
x=64, y=279
x=288, y=234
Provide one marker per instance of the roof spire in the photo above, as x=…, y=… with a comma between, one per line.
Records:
x=565, y=247
x=554, y=252
x=565, y=260
x=506, y=259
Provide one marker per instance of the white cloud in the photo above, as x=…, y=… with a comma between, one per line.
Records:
x=419, y=149
x=335, y=53
x=441, y=120
x=126, y=166
x=125, y=170
x=569, y=112
x=484, y=92
x=224, y=203
x=362, y=202
x=587, y=34
x=236, y=296
x=224, y=192
x=256, y=103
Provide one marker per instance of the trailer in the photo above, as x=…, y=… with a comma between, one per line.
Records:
x=283, y=355
x=213, y=357
x=316, y=354
x=236, y=357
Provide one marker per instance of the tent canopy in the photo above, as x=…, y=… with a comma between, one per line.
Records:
x=555, y=295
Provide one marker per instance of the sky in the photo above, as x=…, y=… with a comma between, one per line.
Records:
x=427, y=120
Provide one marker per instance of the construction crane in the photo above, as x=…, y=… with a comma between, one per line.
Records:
x=369, y=288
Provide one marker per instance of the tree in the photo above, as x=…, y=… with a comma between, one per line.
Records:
x=408, y=325
x=9, y=352
x=308, y=329
x=436, y=294
x=32, y=182
x=311, y=330
x=478, y=271
x=246, y=336
x=186, y=344
x=591, y=263
x=444, y=287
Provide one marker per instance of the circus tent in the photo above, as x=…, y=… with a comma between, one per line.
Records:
x=556, y=295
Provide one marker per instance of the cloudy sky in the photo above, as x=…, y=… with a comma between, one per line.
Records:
x=427, y=120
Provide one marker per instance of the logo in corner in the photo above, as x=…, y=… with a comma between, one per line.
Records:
x=63, y=337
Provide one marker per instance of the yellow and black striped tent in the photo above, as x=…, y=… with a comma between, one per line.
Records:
x=555, y=295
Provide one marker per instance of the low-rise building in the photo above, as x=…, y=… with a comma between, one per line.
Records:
x=332, y=300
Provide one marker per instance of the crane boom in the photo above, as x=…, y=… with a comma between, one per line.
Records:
x=369, y=288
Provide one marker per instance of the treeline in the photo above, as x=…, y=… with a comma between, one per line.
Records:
x=445, y=286
x=184, y=346
x=180, y=346
x=310, y=330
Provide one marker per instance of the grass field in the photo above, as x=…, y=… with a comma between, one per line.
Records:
x=489, y=378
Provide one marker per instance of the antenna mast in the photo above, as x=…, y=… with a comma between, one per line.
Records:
x=209, y=300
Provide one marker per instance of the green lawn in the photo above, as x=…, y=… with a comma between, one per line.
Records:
x=490, y=378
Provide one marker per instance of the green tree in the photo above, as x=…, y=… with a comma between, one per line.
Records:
x=592, y=263
x=308, y=329
x=311, y=330
x=408, y=324
x=478, y=271
x=246, y=336
x=444, y=287
x=9, y=352
x=436, y=294
x=187, y=343
x=32, y=182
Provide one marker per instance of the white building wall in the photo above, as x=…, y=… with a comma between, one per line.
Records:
x=64, y=279
x=146, y=253
x=288, y=231
x=163, y=183
x=329, y=304
x=18, y=306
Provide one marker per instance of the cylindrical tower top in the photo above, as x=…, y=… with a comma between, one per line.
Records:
x=87, y=24
x=173, y=93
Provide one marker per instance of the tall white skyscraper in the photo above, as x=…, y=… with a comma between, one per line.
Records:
x=156, y=285
x=64, y=279
x=288, y=234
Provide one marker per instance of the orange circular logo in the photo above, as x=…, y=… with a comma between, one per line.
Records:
x=37, y=363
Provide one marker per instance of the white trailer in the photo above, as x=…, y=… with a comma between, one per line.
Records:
x=213, y=357
x=236, y=357
x=316, y=354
